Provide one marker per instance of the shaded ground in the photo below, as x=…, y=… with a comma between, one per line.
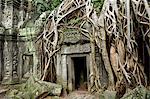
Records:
x=81, y=95
x=76, y=95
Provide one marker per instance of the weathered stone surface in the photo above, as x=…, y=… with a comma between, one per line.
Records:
x=78, y=48
x=7, y=19
x=64, y=71
x=53, y=89
x=73, y=36
x=10, y=51
x=7, y=22
x=81, y=95
x=59, y=69
x=30, y=50
x=110, y=94
x=10, y=56
x=16, y=43
x=15, y=62
x=7, y=63
x=33, y=88
x=139, y=92
x=2, y=30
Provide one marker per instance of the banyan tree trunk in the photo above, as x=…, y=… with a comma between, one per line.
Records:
x=119, y=27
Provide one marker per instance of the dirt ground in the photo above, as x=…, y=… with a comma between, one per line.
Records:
x=76, y=95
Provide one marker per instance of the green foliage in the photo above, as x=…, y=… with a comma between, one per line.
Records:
x=41, y=9
x=98, y=4
x=54, y=4
x=43, y=5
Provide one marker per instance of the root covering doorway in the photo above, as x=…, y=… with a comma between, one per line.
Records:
x=80, y=73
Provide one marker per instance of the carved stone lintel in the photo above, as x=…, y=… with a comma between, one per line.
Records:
x=73, y=36
x=78, y=48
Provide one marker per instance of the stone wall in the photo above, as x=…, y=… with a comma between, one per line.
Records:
x=30, y=60
x=10, y=50
x=18, y=56
x=18, y=53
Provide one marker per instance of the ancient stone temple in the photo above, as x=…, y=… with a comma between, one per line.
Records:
x=74, y=62
x=17, y=51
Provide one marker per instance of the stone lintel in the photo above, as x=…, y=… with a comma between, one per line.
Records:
x=78, y=48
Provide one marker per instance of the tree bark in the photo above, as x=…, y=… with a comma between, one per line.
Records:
x=105, y=53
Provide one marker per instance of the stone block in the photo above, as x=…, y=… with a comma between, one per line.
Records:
x=85, y=48
x=137, y=93
x=110, y=94
x=34, y=88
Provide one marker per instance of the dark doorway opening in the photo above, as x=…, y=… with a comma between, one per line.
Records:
x=1, y=57
x=80, y=69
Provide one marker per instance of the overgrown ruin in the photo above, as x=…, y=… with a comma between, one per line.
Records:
x=17, y=46
x=78, y=46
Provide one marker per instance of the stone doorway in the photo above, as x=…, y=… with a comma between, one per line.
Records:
x=80, y=72
x=71, y=58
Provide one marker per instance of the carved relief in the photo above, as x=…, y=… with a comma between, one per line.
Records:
x=7, y=63
x=15, y=61
x=73, y=36
x=8, y=14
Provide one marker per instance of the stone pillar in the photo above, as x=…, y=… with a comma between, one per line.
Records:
x=88, y=59
x=7, y=62
x=10, y=45
x=70, y=74
x=35, y=64
x=10, y=59
x=59, y=69
x=64, y=70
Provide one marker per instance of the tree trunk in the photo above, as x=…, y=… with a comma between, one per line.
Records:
x=105, y=53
